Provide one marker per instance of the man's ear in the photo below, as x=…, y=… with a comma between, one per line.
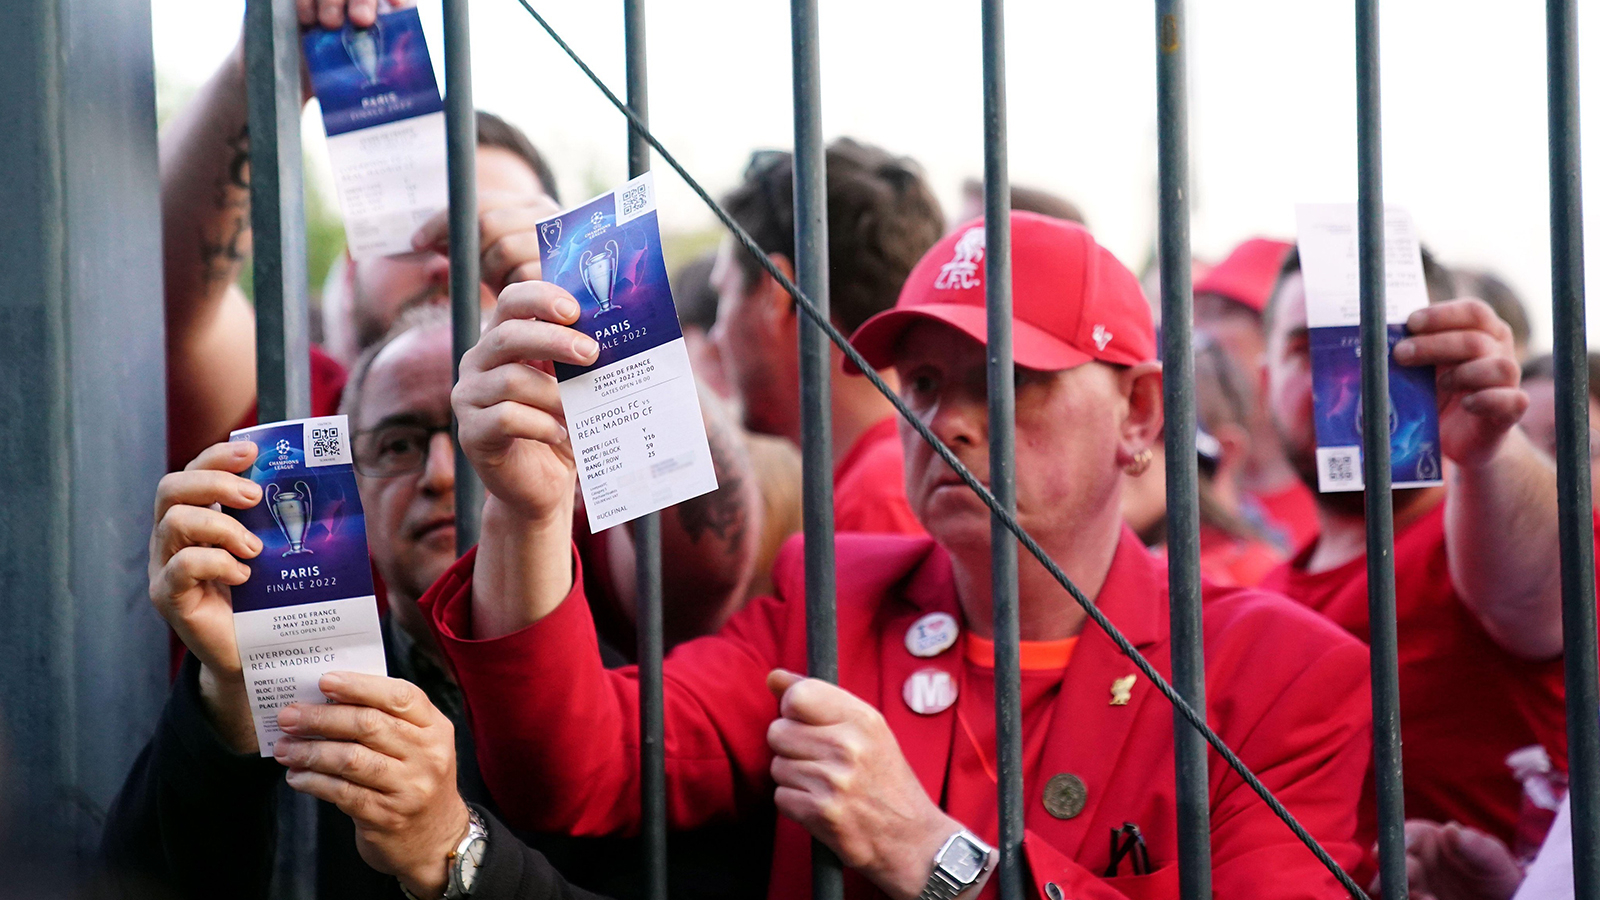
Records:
x=779, y=305
x=1141, y=384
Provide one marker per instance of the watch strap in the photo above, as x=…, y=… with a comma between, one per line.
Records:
x=941, y=885
x=476, y=830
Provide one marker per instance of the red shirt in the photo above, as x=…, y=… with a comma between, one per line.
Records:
x=558, y=735
x=970, y=787
x=1465, y=702
x=1293, y=511
x=869, y=485
x=1229, y=561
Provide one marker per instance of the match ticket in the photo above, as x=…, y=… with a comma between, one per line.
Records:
x=385, y=125
x=634, y=416
x=1329, y=260
x=308, y=607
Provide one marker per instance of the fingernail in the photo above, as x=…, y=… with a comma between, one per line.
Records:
x=280, y=750
x=254, y=544
x=289, y=717
x=1404, y=351
x=585, y=347
x=331, y=682
x=567, y=309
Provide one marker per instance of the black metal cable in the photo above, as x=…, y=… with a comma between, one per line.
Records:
x=1027, y=541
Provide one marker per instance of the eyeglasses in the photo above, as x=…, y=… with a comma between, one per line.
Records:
x=392, y=450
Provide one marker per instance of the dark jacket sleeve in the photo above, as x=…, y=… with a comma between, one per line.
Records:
x=193, y=819
x=514, y=871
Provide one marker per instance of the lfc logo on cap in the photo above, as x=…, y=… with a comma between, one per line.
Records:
x=961, y=272
x=929, y=691
x=932, y=634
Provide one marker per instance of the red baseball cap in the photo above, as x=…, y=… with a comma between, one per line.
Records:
x=1248, y=274
x=1071, y=300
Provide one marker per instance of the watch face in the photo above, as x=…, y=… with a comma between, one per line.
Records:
x=963, y=861
x=469, y=863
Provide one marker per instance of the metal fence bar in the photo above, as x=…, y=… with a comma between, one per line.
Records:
x=647, y=546
x=283, y=339
x=461, y=145
x=1572, y=445
x=277, y=211
x=1002, y=450
x=816, y=412
x=1375, y=459
x=1183, y=505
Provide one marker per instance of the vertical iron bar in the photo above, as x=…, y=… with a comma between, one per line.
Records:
x=1375, y=459
x=1183, y=505
x=283, y=340
x=647, y=544
x=816, y=420
x=1572, y=445
x=1002, y=449
x=461, y=149
x=277, y=211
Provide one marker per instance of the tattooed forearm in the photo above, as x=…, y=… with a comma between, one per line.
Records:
x=222, y=252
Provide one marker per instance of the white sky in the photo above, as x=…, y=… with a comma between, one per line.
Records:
x=1272, y=108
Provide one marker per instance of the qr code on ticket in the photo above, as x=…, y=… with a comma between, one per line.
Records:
x=1339, y=468
x=633, y=201
x=326, y=442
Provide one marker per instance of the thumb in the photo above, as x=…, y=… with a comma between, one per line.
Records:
x=780, y=680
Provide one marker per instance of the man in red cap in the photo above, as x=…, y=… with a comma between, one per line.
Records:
x=1228, y=303
x=894, y=767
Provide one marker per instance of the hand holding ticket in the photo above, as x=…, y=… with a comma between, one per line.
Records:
x=307, y=607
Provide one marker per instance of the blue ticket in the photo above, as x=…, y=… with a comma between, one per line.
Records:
x=385, y=124
x=634, y=415
x=1330, y=265
x=308, y=607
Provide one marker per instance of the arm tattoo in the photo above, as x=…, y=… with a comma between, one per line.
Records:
x=220, y=256
x=722, y=512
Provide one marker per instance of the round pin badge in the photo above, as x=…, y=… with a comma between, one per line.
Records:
x=932, y=634
x=1064, y=795
x=929, y=691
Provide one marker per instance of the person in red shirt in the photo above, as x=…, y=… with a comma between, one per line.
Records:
x=1228, y=303
x=882, y=216
x=892, y=768
x=1476, y=563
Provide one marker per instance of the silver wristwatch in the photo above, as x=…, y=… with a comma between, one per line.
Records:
x=962, y=863
x=464, y=860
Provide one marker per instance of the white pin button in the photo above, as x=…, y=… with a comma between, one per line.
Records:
x=932, y=634
x=929, y=691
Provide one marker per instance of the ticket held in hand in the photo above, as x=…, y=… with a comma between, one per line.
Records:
x=634, y=415
x=385, y=124
x=308, y=607
x=1330, y=264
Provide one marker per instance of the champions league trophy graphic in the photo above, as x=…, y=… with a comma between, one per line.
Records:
x=291, y=509
x=365, y=48
x=599, y=272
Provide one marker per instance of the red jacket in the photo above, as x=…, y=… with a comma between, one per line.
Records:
x=558, y=734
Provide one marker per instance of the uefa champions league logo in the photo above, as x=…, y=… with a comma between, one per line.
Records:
x=283, y=447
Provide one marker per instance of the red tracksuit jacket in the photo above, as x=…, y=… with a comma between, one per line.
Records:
x=558, y=734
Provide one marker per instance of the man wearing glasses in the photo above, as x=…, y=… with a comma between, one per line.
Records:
x=194, y=818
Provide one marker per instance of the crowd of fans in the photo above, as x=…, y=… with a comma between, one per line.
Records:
x=512, y=707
